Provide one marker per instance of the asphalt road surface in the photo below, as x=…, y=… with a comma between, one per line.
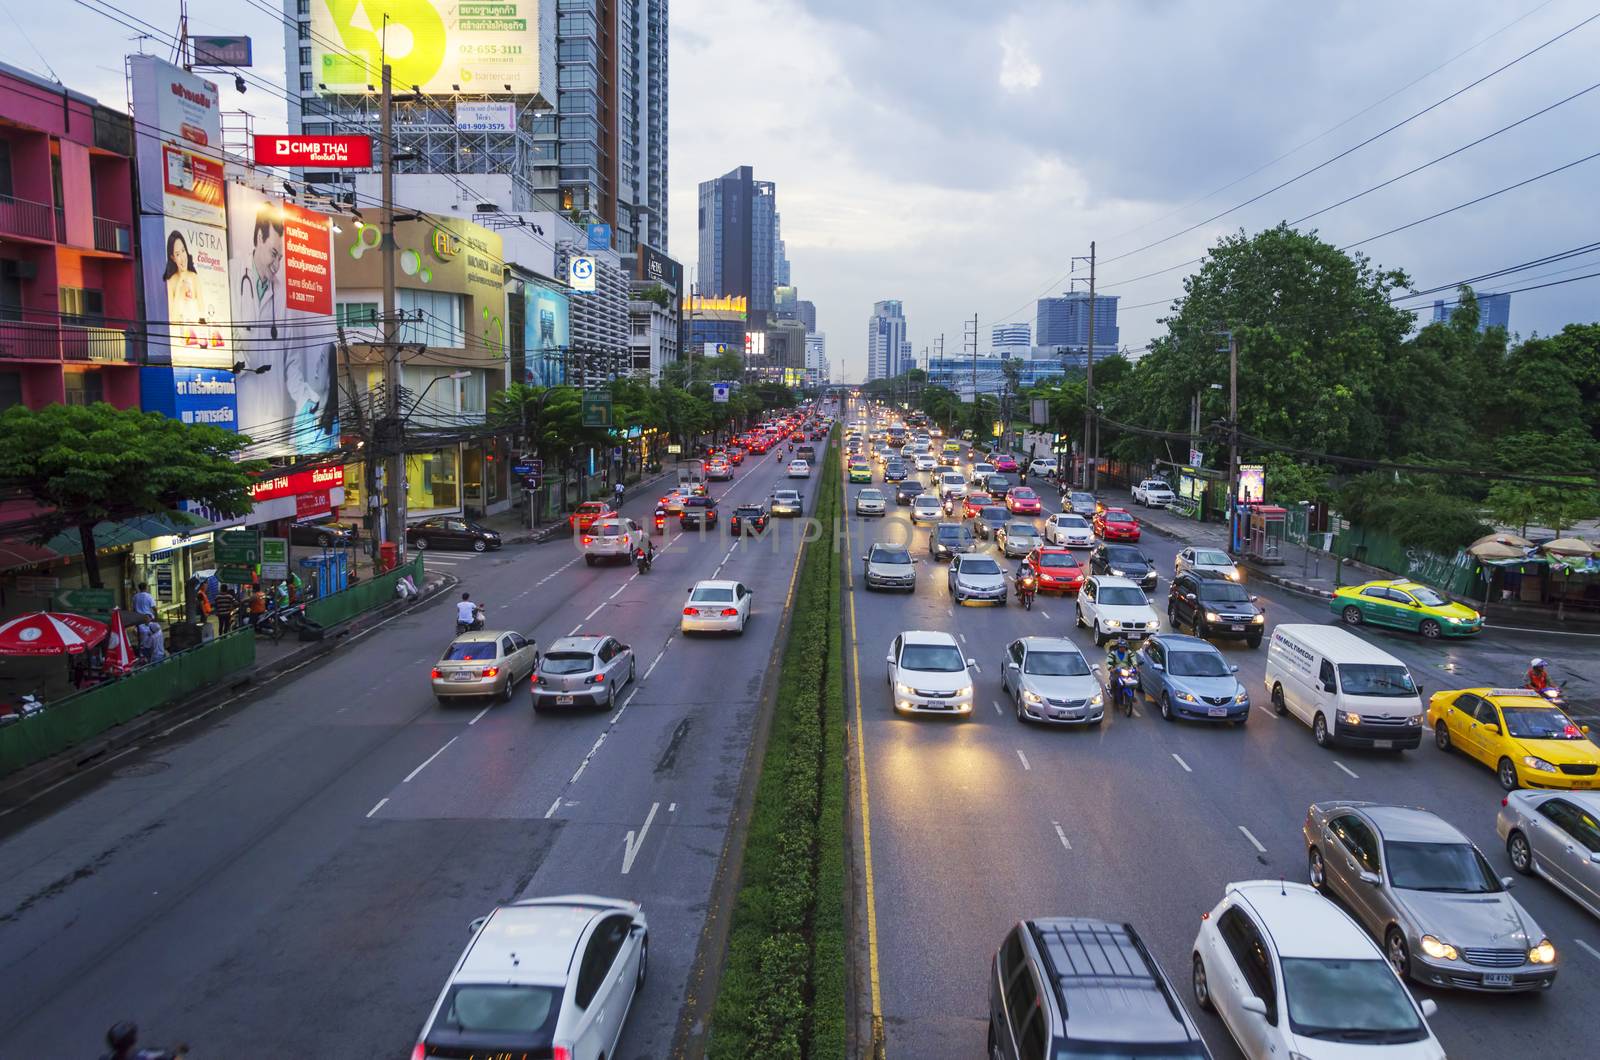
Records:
x=295, y=875
x=976, y=824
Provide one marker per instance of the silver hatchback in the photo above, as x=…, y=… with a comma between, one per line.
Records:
x=582, y=672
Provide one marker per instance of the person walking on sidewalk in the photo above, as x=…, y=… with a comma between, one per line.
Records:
x=225, y=605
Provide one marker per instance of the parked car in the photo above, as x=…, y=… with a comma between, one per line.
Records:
x=949, y=539
x=748, y=518
x=1556, y=835
x=451, y=531
x=1153, y=493
x=1526, y=739
x=699, y=512
x=485, y=662
x=973, y=576
x=1213, y=606
x=871, y=501
x=1110, y=606
x=1404, y=604
x=889, y=567
x=928, y=675
x=1115, y=524
x=1069, y=529
x=1049, y=680
x=1188, y=678
x=613, y=538
x=321, y=534
x=1056, y=570
x=1428, y=896
x=1125, y=561
x=586, y=671
x=1206, y=559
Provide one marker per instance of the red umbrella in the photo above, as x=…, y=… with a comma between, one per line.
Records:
x=50, y=633
x=119, y=657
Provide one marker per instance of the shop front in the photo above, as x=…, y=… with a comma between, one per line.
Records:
x=485, y=475
x=433, y=484
x=167, y=564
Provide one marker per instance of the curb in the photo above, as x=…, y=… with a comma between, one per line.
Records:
x=561, y=529
x=1311, y=592
x=28, y=783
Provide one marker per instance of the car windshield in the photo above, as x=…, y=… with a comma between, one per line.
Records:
x=1224, y=593
x=711, y=595
x=953, y=533
x=979, y=500
x=1055, y=664
x=567, y=662
x=1125, y=557
x=786, y=495
x=590, y=507
x=1539, y=723
x=1454, y=867
x=1376, y=679
x=1211, y=558
x=926, y=501
x=934, y=658
x=982, y=469
x=1020, y=530
x=1082, y=498
x=1123, y=1051
x=471, y=650
x=1197, y=664
x=890, y=555
x=1072, y=522
x=1118, y=517
x=1349, y=1000
x=953, y=480
x=1057, y=559
x=1122, y=596
x=995, y=514
x=981, y=565
x=869, y=495
x=498, y=1009
x=1428, y=597
x=1023, y=493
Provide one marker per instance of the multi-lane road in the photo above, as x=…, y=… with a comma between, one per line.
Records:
x=295, y=875
x=975, y=824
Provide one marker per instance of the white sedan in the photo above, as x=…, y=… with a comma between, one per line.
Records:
x=927, y=674
x=870, y=501
x=1211, y=559
x=926, y=462
x=925, y=508
x=1110, y=606
x=799, y=469
x=1069, y=530
x=716, y=607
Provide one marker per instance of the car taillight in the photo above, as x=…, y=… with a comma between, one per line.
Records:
x=420, y=1052
x=491, y=671
x=533, y=679
x=596, y=679
x=729, y=612
x=1505, y=802
x=437, y=673
x=561, y=1052
x=691, y=611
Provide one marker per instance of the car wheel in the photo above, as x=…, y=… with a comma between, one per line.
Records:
x=479, y=544
x=1394, y=948
x=589, y=560
x=510, y=691
x=1520, y=853
x=1172, y=617
x=1202, y=988
x=1316, y=871
x=1077, y=616
x=644, y=962
x=1254, y=642
x=1508, y=774
x=1441, y=736
x=1166, y=707
x=1320, y=733
x=420, y=544
x=1277, y=700
x=1351, y=615
x=1430, y=629
x=611, y=698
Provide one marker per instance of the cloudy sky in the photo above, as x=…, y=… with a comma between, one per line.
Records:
x=957, y=155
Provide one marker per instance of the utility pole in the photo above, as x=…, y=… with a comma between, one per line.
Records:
x=394, y=445
x=1233, y=419
x=1090, y=479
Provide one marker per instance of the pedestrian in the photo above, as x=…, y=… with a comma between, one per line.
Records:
x=297, y=587
x=143, y=603
x=258, y=601
x=226, y=604
x=280, y=595
x=152, y=643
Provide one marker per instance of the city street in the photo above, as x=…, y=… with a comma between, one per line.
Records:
x=295, y=876
x=976, y=824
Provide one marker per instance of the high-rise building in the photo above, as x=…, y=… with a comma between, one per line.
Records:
x=1494, y=310
x=780, y=254
x=806, y=310
x=888, y=352
x=1012, y=336
x=738, y=240
x=763, y=245
x=817, y=372
x=1064, y=321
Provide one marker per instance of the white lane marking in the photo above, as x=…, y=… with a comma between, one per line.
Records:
x=1182, y=763
x=963, y=638
x=585, y=763
x=996, y=704
x=1347, y=769
x=378, y=807
x=1024, y=758
x=616, y=594
x=652, y=667
x=591, y=614
x=481, y=713
x=978, y=668
x=631, y=847
x=431, y=757
x=1253, y=840
x=672, y=807
x=622, y=709
x=1061, y=835
x=1046, y=614
x=554, y=806
x=575, y=629
x=1592, y=951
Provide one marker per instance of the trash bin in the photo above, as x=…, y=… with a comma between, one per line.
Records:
x=388, y=555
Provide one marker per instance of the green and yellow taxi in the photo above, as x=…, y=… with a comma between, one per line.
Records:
x=1407, y=605
x=859, y=470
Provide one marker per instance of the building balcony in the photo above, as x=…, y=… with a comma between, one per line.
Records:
x=27, y=341
x=113, y=236
x=23, y=217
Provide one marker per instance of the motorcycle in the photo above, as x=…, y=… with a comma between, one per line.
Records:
x=642, y=558
x=1124, y=685
x=27, y=706
x=473, y=626
x=661, y=520
x=1555, y=694
x=1026, y=587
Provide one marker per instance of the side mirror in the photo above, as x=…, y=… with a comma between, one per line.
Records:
x=889, y=659
x=972, y=662
x=1430, y=1008
x=1371, y=879
x=1254, y=1005
x=477, y=925
x=1491, y=726
x=1594, y=857
x=1584, y=729
x=1255, y=599
x=1189, y=597
x=1233, y=669
x=1507, y=881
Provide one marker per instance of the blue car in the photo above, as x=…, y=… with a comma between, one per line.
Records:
x=1188, y=678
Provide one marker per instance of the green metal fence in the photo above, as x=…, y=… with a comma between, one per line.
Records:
x=364, y=596
x=1459, y=574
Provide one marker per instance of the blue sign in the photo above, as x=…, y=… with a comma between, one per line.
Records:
x=522, y=469
x=599, y=237
x=192, y=395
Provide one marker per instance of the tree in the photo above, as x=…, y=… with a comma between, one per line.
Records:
x=1514, y=504
x=91, y=463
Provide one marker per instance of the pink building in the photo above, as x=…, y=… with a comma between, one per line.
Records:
x=68, y=279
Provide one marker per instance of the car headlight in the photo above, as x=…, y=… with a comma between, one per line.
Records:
x=1258, y=619
x=1544, y=953
x=1212, y=616
x=905, y=690
x=1113, y=623
x=1031, y=696
x=1233, y=575
x=1187, y=697
x=1242, y=697
x=1535, y=762
x=1440, y=951
x=1096, y=699
x=1350, y=717
x=1116, y=572
x=963, y=691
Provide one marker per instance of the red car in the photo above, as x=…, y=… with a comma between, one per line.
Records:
x=587, y=513
x=1005, y=463
x=1057, y=570
x=735, y=455
x=1115, y=524
x=975, y=503
x=1020, y=500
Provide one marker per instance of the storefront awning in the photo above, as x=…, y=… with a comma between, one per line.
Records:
x=20, y=552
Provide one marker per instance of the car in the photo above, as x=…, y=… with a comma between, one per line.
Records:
x=1125, y=561
x=907, y=491
x=1115, y=524
x=871, y=502
x=1188, y=678
x=967, y=435
x=927, y=674
x=1292, y=975
x=950, y=539
x=451, y=531
x=542, y=977
x=321, y=534
x=800, y=469
x=951, y=484
x=719, y=470
x=484, y=662
x=584, y=515
x=1526, y=739
x=1428, y=896
x=698, y=511
x=716, y=607
x=1055, y=570
x=1017, y=538
x=1049, y=680
x=1206, y=559
x=1022, y=500
x=859, y=473
x=1068, y=987
x=612, y=538
x=672, y=501
x=969, y=506
x=925, y=507
x=949, y=459
x=894, y=471
x=1555, y=835
x=1042, y=465
x=889, y=567
x=1213, y=606
x=1069, y=529
x=1153, y=493
x=1000, y=484
x=924, y=462
x=978, y=475
x=582, y=671
x=1348, y=690
x=989, y=521
x=736, y=455
x=1109, y=606
x=1006, y=462
x=972, y=576
x=748, y=518
x=1404, y=604
x=785, y=503
x=1080, y=503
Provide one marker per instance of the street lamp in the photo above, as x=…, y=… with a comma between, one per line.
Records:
x=436, y=379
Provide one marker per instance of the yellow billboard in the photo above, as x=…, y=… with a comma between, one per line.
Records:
x=442, y=47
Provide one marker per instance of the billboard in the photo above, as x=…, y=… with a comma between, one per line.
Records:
x=444, y=48
x=547, y=333
x=652, y=266
x=325, y=152
x=186, y=285
x=486, y=117
x=281, y=280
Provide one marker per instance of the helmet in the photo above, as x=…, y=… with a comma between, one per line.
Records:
x=1121, y=643
x=123, y=1035
x=1538, y=664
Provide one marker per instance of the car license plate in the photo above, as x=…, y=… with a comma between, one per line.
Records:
x=1383, y=745
x=1582, y=784
x=563, y=700
x=1217, y=712
x=462, y=675
x=1237, y=627
x=1496, y=979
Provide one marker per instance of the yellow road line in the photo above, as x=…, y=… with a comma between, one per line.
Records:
x=866, y=816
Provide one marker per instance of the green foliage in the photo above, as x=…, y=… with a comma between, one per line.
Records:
x=657, y=294
x=1290, y=482
x=1415, y=512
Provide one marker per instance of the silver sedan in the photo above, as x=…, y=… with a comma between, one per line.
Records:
x=1429, y=897
x=1017, y=539
x=1556, y=834
x=1048, y=679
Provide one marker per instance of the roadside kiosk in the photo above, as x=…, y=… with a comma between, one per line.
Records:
x=1258, y=532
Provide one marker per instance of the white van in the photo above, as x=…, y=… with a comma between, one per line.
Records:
x=1348, y=691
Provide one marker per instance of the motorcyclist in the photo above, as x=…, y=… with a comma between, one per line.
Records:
x=644, y=555
x=468, y=614
x=1119, y=656
x=123, y=1039
x=1537, y=678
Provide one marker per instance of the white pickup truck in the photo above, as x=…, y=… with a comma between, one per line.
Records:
x=1153, y=493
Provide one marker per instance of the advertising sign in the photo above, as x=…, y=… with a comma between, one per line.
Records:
x=274, y=558
x=186, y=284
x=1039, y=411
x=298, y=482
x=486, y=117
x=205, y=395
x=281, y=279
x=324, y=152
x=1252, y=483
x=221, y=51
x=655, y=267
x=179, y=111
x=447, y=47
x=450, y=254
x=580, y=274
x=547, y=333
x=599, y=237
x=311, y=505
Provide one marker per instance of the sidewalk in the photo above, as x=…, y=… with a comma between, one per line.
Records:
x=514, y=529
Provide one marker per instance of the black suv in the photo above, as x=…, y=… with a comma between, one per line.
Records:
x=1071, y=986
x=904, y=491
x=1215, y=605
x=748, y=518
x=949, y=538
x=698, y=511
x=1124, y=561
x=894, y=471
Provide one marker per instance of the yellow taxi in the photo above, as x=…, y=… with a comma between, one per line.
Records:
x=1527, y=740
x=860, y=470
x=1408, y=605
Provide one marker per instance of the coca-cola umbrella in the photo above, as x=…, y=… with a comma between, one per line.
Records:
x=50, y=633
x=119, y=656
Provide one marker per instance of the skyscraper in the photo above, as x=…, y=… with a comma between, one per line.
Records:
x=888, y=352
x=1494, y=310
x=738, y=240
x=1008, y=336
x=1064, y=321
x=807, y=311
